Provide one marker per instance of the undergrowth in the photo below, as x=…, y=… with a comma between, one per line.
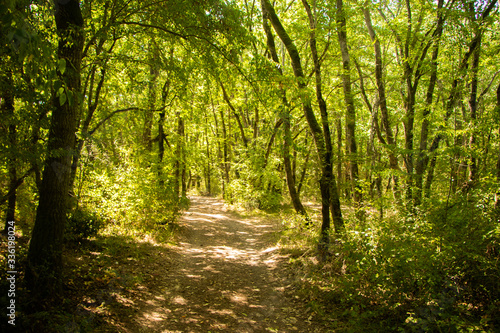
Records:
x=435, y=270
x=101, y=257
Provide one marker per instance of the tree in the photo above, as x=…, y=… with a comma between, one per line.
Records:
x=285, y=117
x=45, y=252
x=390, y=142
x=329, y=193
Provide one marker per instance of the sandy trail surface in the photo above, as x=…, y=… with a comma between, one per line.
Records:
x=224, y=275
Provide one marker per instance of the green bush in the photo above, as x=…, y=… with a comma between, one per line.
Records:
x=242, y=192
x=436, y=270
x=82, y=224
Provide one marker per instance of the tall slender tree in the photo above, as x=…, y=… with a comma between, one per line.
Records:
x=328, y=184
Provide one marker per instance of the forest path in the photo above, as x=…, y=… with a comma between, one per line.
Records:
x=225, y=275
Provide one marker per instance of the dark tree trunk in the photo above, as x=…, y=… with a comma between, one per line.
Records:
x=161, y=147
x=93, y=95
x=323, y=112
x=285, y=116
x=349, y=103
x=327, y=179
x=454, y=95
x=236, y=115
x=43, y=272
x=304, y=171
x=424, y=131
x=209, y=163
x=497, y=198
x=153, y=76
x=391, y=142
x=290, y=175
x=7, y=111
x=338, y=124
x=225, y=150
x=11, y=204
x=473, y=163
x=179, y=166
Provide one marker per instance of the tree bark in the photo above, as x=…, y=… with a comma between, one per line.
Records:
x=322, y=107
x=287, y=140
x=44, y=265
x=391, y=142
x=497, y=197
x=350, y=115
x=225, y=150
x=7, y=110
x=473, y=164
x=236, y=115
x=454, y=93
x=93, y=96
x=179, y=167
x=209, y=163
x=424, y=131
x=290, y=175
x=304, y=171
x=153, y=76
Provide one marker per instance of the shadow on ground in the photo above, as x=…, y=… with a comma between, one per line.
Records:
x=224, y=275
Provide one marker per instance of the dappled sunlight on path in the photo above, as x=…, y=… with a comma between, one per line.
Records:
x=224, y=275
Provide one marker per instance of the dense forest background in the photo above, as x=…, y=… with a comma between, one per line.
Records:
x=376, y=122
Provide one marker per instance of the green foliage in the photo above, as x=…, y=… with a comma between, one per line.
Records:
x=434, y=271
x=83, y=224
x=295, y=238
x=240, y=191
x=257, y=187
x=128, y=196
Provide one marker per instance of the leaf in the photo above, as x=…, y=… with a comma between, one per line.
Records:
x=62, y=96
x=69, y=95
x=62, y=65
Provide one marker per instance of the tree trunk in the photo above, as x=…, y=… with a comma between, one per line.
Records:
x=12, y=168
x=327, y=178
x=179, y=166
x=338, y=124
x=161, y=147
x=497, y=197
x=473, y=164
x=225, y=151
x=153, y=76
x=290, y=175
x=391, y=142
x=424, y=131
x=7, y=111
x=349, y=102
x=209, y=168
x=323, y=110
x=454, y=95
x=304, y=171
x=285, y=116
x=43, y=272
x=93, y=97
x=236, y=115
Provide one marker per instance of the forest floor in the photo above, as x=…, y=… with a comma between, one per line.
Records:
x=224, y=274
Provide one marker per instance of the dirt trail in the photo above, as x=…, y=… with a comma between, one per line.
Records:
x=224, y=276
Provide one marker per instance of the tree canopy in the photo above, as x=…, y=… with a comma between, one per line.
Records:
x=385, y=114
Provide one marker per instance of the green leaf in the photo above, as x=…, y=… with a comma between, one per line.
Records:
x=62, y=65
x=62, y=96
x=69, y=94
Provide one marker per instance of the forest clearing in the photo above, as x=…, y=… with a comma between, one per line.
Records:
x=250, y=166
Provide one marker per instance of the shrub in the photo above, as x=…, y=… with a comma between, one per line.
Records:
x=82, y=224
x=433, y=270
